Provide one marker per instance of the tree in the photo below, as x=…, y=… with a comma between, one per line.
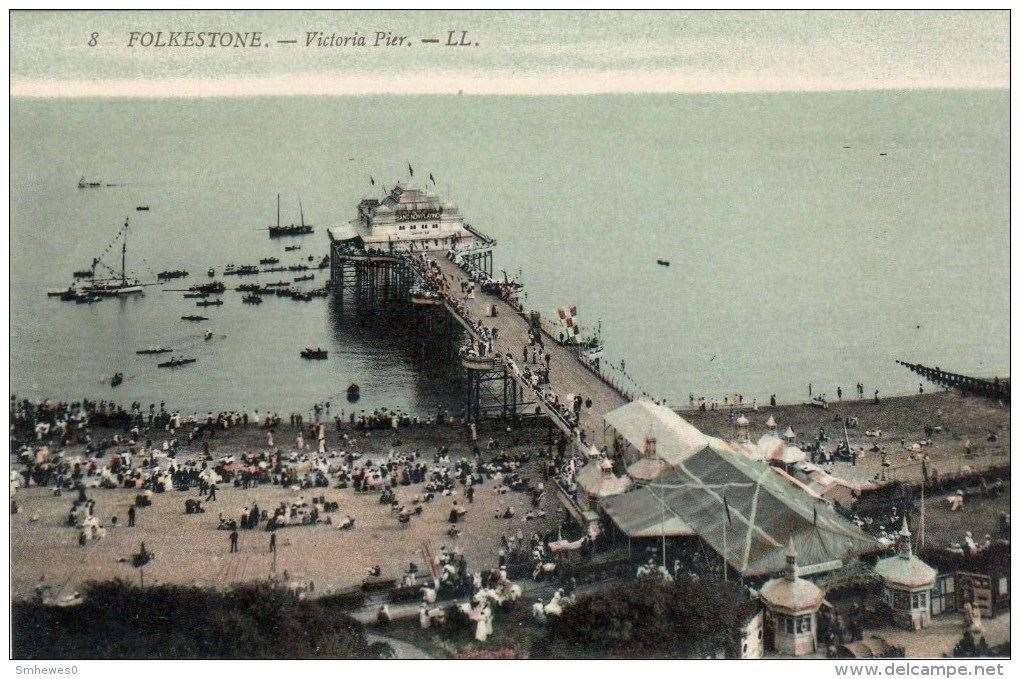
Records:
x=648, y=617
x=117, y=620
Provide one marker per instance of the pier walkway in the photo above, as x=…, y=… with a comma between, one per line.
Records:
x=568, y=374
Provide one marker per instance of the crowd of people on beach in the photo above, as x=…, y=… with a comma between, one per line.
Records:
x=109, y=446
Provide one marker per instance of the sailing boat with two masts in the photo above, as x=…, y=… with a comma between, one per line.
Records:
x=292, y=229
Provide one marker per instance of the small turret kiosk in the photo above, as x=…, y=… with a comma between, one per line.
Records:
x=792, y=603
x=907, y=583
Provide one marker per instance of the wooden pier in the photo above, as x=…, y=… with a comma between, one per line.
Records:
x=568, y=374
x=994, y=388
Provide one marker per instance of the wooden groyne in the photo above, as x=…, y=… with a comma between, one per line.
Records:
x=994, y=388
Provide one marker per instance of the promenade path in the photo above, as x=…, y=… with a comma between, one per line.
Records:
x=567, y=374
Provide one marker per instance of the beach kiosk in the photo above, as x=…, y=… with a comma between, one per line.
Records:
x=906, y=584
x=793, y=604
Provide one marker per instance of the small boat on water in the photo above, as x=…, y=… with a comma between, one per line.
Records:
x=308, y=277
x=209, y=302
x=86, y=298
x=116, y=379
x=174, y=362
x=61, y=292
x=82, y=184
x=196, y=295
x=252, y=299
x=214, y=288
x=299, y=296
x=278, y=284
x=353, y=392
x=269, y=260
x=169, y=275
x=662, y=262
x=208, y=335
x=85, y=273
x=292, y=248
x=317, y=354
x=194, y=318
x=142, y=208
x=154, y=350
x=211, y=272
x=249, y=287
x=245, y=270
x=297, y=267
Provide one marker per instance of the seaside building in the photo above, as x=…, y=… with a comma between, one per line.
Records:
x=413, y=220
x=792, y=604
x=369, y=254
x=906, y=584
x=696, y=494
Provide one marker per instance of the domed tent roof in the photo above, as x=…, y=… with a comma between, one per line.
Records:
x=797, y=595
x=905, y=570
x=791, y=592
x=647, y=468
x=598, y=482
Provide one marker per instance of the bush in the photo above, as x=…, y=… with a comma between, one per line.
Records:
x=117, y=620
x=645, y=618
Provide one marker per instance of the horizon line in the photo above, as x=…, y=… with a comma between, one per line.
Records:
x=577, y=83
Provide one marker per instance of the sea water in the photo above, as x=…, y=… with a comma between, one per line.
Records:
x=812, y=238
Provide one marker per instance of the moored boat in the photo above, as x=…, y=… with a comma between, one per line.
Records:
x=154, y=350
x=353, y=392
x=209, y=302
x=174, y=362
x=292, y=229
x=214, y=287
x=317, y=354
x=252, y=299
x=116, y=379
x=192, y=317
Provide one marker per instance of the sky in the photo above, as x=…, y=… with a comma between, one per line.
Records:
x=523, y=53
